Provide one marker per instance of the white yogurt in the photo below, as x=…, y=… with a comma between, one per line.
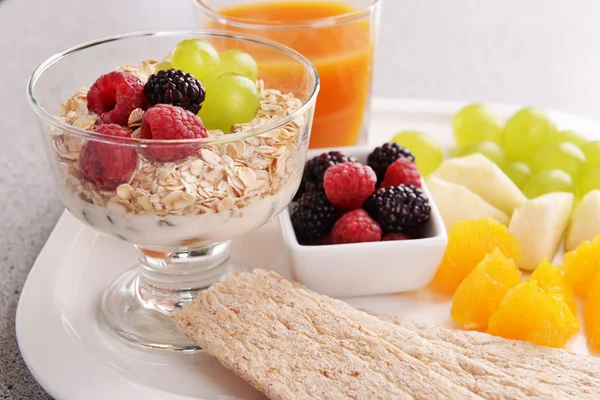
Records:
x=177, y=230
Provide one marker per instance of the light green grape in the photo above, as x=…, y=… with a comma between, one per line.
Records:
x=197, y=57
x=560, y=155
x=239, y=62
x=552, y=180
x=475, y=123
x=571, y=137
x=427, y=151
x=491, y=150
x=592, y=154
x=589, y=182
x=230, y=99
x=163, y=66
x=525, y=132
x=518, y=172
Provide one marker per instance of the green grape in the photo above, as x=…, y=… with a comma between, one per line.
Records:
x=571, y=137
x=589, y=182
x=525, y=132
x=518, y=172
x=491, y=150
x=163, y=66
x=560, y=155
x=427, y=151
x=592, y=154
x=551, y=180
x=230, y=99
x=476, y=122
x=197, y=57
x=239, y=62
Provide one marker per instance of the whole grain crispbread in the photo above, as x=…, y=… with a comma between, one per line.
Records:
x=291, y=343
x=568, y=375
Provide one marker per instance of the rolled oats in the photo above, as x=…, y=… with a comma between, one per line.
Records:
x=124, y=191
x=210, y=157
x=142, y=71
x=197, y=167
x=144, y=202
x=135, y=119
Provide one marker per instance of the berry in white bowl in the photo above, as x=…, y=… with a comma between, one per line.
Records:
x=393, y=243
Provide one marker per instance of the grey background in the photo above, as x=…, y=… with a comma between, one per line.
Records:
x=542, y=52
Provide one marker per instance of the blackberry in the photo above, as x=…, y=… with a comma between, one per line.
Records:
x=177, y=88
x=316, y=167
x=398, y=208
x=312, y=178
x=313, y=217
x=382, y=157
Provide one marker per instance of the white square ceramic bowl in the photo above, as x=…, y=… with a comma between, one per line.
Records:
x=363, y=269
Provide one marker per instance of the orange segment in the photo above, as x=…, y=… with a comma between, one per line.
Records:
x=530, y=313
x=581, y=265
x=480, y=294
x=552, y=279
x=592, y=314
x=468, y=243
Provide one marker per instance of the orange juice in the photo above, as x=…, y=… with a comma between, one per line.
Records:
x=341, y=51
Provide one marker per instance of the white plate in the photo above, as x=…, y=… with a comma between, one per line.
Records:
x=72, y=355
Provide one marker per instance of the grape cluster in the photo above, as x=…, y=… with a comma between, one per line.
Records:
x=229, y=79
x=532, y=152
x=537, y=157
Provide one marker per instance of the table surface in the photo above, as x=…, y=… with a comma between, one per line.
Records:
x=542, y=52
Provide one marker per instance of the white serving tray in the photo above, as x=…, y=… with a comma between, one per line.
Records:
x=74, y=357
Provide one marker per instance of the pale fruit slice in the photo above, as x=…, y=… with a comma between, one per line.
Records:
x=539, y=225
x=458, y=203
x=585, y=223
x=485, y=178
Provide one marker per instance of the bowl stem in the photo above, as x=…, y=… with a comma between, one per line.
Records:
x=138, y=304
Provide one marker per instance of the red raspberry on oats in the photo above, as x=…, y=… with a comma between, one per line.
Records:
x=166, y=122
x=349, y=184
x=108, y=165
x=355, y=227
x=115, y=95
x=403, y=171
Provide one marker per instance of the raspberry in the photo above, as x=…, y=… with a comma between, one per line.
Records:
x=107, y=165
x=166, y=122
x=382, y=157
x=115, y=95
x=177, y=88
x=398, y=208
x=349, y=184
x=355, y=227
x=312, y=178
x=402, y=172
x=395, y=236
x=313, y=217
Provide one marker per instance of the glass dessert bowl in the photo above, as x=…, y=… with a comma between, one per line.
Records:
x=132, y=160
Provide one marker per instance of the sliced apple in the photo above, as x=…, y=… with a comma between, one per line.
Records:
x=485, y=178
x=585, y=223
x=457, y=203
x=539, y=225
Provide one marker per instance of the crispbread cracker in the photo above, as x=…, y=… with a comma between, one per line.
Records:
x=291, y=343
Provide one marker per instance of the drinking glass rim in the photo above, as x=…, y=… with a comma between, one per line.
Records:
x=227, y=138
x=251, y=23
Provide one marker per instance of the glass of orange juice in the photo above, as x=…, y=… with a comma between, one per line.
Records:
x=338, y=37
